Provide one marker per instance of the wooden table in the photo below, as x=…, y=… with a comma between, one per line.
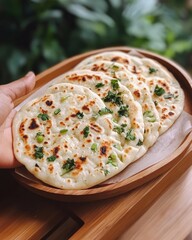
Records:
x=25, y=215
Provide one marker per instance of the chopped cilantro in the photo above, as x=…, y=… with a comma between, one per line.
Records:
x=118, y=129
x=38, y=152
x=114, y=98
x=106, y=172
x=94, y=147
x=130, y=136
x=43, y=116
x=115, y=84
x=123, y=111
x=112, y=160
x=99, y=85
x=104, y=111
x=80, y=115
x=63, y=131
x=139, y=143
x=152, y=70
x=159, y=91
x=57, y=111
x=86, y=131
x=69, y=165
x=51, y=159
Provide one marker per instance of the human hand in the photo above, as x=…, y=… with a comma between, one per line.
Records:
x=9, y=93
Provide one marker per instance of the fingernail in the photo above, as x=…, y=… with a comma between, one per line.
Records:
x=29, y=74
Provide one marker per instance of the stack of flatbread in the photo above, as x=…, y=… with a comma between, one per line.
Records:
x=96, y=119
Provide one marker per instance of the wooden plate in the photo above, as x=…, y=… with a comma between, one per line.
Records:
x=107, y=191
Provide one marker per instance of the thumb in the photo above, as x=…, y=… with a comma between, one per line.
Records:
x=20, y=87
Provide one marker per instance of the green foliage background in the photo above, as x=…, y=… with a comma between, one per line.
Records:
x=36, y=34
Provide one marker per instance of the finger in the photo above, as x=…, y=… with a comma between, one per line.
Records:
x=20, y=87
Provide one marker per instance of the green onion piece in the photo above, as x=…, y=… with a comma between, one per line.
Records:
x=99, y=85
x=43, y=116
x=114, y=67
x=130, y=136
x=115, y=84
x=123, y=125
x=38, y=152
x=94, y=147
x=80, y=115
x=123, y=111
x=68, y=166
x=51, y=159
x=57, y=111
x=112, y=160
x=139, y=143
x=151, y=117
x=63, y=131
x=40, y=139
x=104, y=111
x=159, y=91
x=63, y=99
x=148, y=114
x=86, y=131
x=118, y=146
x=152, y=70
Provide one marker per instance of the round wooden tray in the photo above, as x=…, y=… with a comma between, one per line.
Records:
x=107, y=191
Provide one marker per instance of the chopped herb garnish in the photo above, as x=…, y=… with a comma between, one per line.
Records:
x=112, y=160
x=114, y=98
x=43, y=116
x=150, y=116
x=130, y=136
x=51, y=159
x=69, y=165
x=156, y=103
x=86, y=131
x=94, y=147
x=57, y=111
x=168, y=96
x=123, y=111
x=38, y=152
x=63, y=99
x=139, y=143
x=99, y=85
x=159, y=91
x=118, y=146
x=115, y=84
x=104, y=111
x=106, y=172
x=39, y=137
x=118, y=129
x=115, y=67
x=63, y=131
x=152, y=70
x=80, y=115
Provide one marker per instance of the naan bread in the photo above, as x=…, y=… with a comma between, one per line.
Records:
x=127, y=113
x=168, y=97
x=66, y=138
x=140, y=92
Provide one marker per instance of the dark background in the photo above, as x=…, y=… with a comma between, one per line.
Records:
x=37, y=34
